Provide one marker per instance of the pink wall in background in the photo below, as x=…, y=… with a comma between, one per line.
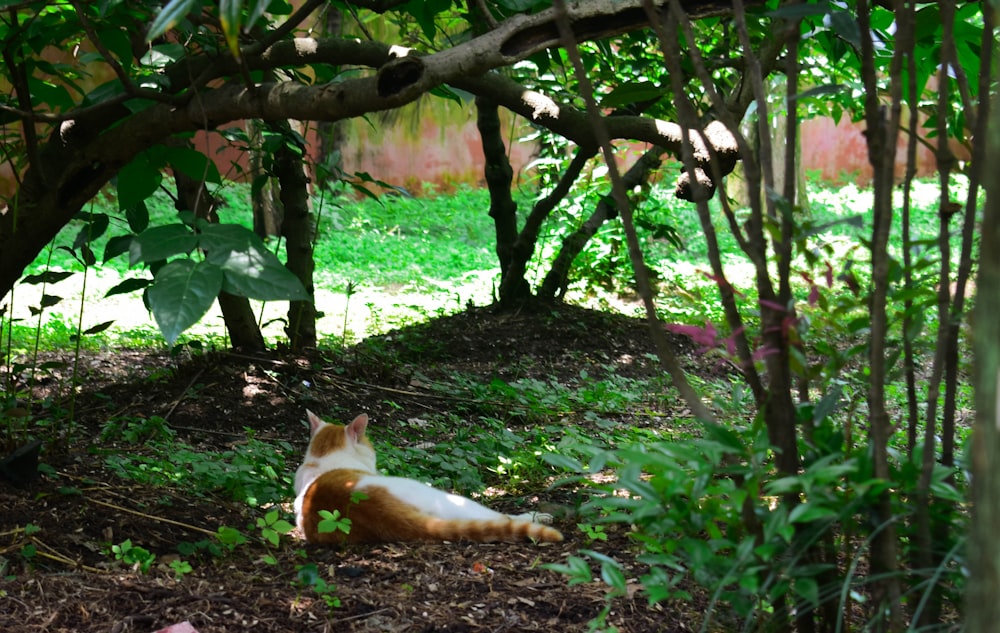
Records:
x=428, y=146
x=839, y=151
x=440, y=145
x=447, y=152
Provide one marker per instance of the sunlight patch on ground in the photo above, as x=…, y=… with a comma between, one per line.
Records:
x=368, y=311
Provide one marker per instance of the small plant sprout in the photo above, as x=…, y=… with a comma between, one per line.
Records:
x=333, y=522
x=593, y=532
x=273, y=527
x=180, y=568
x=308, y=576
x=139, y=558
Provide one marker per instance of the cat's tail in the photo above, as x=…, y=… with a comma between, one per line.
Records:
x=490, y=530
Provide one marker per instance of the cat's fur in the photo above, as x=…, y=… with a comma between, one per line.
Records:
x=340, y=463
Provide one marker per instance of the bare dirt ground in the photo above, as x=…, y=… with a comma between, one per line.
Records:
x=77, y=510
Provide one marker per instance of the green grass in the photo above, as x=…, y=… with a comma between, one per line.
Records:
x=399, y=241
x=414, y=258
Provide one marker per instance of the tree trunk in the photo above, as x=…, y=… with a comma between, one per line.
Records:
x=881, y=134
x=503, y=209
x=241, y=324
x=299, y=231
x=555, y=280
x=524, y=245
x=263, y=190
x=982, y=606
x=329, y=134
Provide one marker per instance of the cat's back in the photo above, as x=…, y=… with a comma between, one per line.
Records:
x=330, y=490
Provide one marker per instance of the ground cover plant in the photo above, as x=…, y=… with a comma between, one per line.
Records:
x=802, y=471
x=499, y=419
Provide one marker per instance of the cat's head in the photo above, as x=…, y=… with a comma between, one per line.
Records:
x=334, y=446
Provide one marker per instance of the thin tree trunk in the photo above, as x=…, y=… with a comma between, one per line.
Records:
x=554, y=283
x=881, y=136
x=979, y=122
x=909, y=362
x=263, y=190
x=982, y=606
x=499, y=176
x=929, y=556
x=299, y=230
x=524, y=245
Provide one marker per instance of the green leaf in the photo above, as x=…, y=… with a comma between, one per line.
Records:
x=116, y=246
x=784, y=485
x=564, y=462
x=138, y=180
x=575, y=568
x=138, y=217
x=808, y=512
x=128, y=285
x=100, y=327
x=632, y=92
x=846, y=27
x=257, y=8
x=824, y=90
x=230, y=536
x=613, y=577
x=250, y=269
x=95, y=227
x=424, y=12
x=173, y=13
x=229, y=16
x=181, y=294
x=829, y=403
x=161, y=242
x=162, y=55
x=193, y=164
x=47, y=277
x=807, y=589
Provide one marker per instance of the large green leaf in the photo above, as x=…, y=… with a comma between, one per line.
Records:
x=138, y=180
x=229, y=17
x=116, y=246
x=161, y=242
x=173, y=13
x=193, y=164
x=633, y=92
x=128, y=285
x=181, y=294
x=250, y=269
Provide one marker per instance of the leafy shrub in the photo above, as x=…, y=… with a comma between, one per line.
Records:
x=254, y=474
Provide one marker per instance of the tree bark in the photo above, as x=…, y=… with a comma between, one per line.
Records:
x=499, y=177
x=554, y=283
x=982, y=606
x=87, y=146
x=881, y=134
x=299, y=230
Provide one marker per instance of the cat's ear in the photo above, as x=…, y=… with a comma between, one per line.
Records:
x=314, y=422
x=356, y=429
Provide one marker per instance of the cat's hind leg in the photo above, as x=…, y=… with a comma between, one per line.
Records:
x=534, y=517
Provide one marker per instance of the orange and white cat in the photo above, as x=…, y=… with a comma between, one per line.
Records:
x=340, y=463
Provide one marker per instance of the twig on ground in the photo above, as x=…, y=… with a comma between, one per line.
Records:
x=186, y=526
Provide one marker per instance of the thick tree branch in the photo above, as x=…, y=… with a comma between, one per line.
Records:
x=84, y=151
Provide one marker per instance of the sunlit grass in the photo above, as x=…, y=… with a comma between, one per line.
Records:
x=409, y=259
